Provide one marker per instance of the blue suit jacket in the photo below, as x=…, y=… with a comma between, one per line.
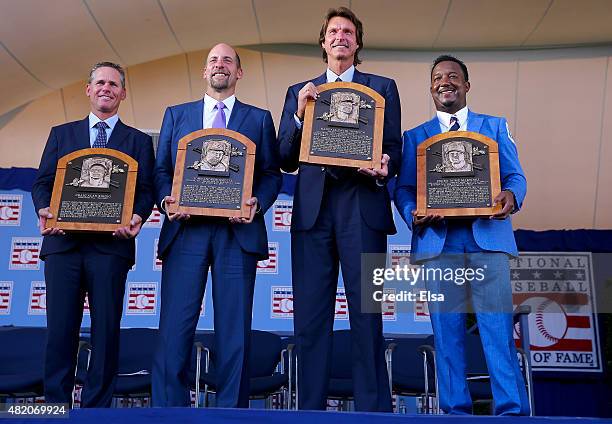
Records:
x=254, y=123
x=72, y=136
x=374, y=201
x=490, y=234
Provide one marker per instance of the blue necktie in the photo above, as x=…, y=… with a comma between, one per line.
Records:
x=100, y=140
x=454, y=124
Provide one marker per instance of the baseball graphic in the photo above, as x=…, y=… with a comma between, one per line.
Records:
x=547, y=322
x=286, y=218
x=286, y=305
x=142, y=301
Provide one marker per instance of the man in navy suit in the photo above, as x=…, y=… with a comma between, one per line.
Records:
x=231, y=247
x=96, y=264
x=482, y=243
x=338, y=214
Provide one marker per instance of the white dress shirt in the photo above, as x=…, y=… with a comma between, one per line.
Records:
x=444, y=119
x=210, y=112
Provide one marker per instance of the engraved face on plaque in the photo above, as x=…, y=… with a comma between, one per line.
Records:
x=343, y=126
x=457, y=175
x=95, y=174
x=93, y=190
x=213, y=173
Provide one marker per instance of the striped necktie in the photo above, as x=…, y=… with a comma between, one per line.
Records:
x=454, y=124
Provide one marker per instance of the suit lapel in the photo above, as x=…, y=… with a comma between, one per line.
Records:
x=196, y=116
x=321, y=79
x=239, y=112
x=474, y=121
x=81, y=134
x=361, y=78
x=119, y=133
x=432, y=127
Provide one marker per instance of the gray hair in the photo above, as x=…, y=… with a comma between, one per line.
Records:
x=99, y=65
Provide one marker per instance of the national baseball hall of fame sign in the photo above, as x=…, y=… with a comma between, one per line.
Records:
x=458, y=175
x=344, y=126
x=560, y=289
x=93, y=191
x=213, y=175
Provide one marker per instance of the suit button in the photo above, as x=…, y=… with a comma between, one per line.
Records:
x=322, y=169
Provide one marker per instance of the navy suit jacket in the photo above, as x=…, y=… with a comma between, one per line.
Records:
x=374, y=201
x=489, y=234
x=254, y=123
x=72, y=136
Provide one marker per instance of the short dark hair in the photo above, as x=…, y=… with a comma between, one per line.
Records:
x=449, y=58
x=343, y=12
x=99, y=65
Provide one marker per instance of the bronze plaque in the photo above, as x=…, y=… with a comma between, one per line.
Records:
x=213, y=174
x=344, y=126
x=458, y=175
x=93, y=191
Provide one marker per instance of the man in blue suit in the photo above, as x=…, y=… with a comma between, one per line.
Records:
x=468, y=243
x=339, y=214
x=231, y=247
x=96, y=264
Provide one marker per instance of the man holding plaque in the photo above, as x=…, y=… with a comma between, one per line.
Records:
x=190, y=245
x=92, y=263
x=467, y=243
x=338, y=214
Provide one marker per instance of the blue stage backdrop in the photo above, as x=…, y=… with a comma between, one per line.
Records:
x=563, y=275
x=22, y=286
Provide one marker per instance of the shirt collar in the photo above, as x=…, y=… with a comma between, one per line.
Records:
x=111, y=122
x=461, y=115
x=346, y=76
x=210, y=103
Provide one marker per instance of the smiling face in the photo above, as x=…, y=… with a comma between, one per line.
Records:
x=96, y=172
x=448, y=87
x=222, y=70
x=340, y=42
x=105, y=92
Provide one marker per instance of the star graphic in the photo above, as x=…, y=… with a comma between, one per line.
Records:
x=579, y=275
x=516, y=275
x=558, y=275
x=537, y=275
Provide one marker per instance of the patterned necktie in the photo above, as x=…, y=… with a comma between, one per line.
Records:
x=338, y=79
x=454, y=124
x=100, y=140
x=219, y=121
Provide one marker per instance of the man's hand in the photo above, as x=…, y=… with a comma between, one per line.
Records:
x=425, y=220
x=174, y=216
x=309, y=91
x=131, y=231
x=43, y=215
x=506, y=198
x=252, y=202
x=378, y=173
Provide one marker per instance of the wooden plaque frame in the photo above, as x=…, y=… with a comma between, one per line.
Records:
x=59, y=184
x=495, y=181
x=379, y=120
x=247, y=184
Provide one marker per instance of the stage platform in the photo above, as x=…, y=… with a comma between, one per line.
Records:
x=260, y=416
